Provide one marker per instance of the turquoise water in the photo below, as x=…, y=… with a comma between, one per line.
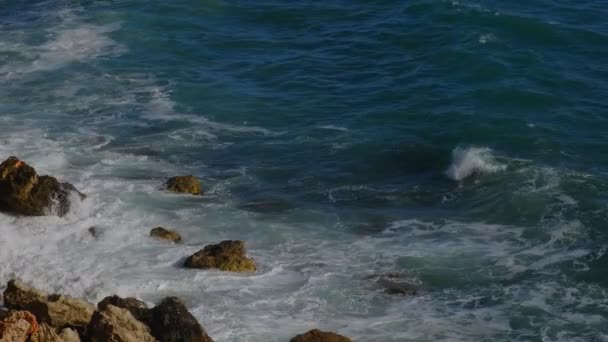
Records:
x=460, y=144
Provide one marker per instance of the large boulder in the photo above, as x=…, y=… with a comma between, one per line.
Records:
x=23, y=192
x=320, y=336
x=17, y=326
x=114, y=324
x=56, y=310
x=228, y=255
x=184, y=184
x=165, y=234
x=172, y=322
x=46, y=333
x=136, y=307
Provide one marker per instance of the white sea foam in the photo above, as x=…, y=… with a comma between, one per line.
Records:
x=472, y=160
x=487, y=38
x=67, y=43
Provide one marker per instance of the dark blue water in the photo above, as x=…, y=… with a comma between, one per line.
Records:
x=460, y=144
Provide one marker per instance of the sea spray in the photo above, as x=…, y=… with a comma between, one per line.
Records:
x=472, y=160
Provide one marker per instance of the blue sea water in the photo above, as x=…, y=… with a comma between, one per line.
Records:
x=460, y=144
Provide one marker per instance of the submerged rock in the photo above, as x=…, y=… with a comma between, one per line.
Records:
x=184, y=184
x=320, y=336
x=117, y=325
x=23, y=192
x=165, y=234
x=56, y=310
x=172, y=322
x=17, y=326
x=228, y=255
x=136, y=307
x=267, y=206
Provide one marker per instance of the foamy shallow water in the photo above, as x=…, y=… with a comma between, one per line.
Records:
x=502, y=243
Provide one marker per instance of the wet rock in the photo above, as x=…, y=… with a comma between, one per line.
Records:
x=228, y=255
x=17, y=326
x=136, y=307
x=20, y=296
x=23, y=192
x=320, y=336
x=393, y=285
x=56, y=310
x=172, y=322
x=184, y=184
x=165, y=234
x=45, y=333
x=117, y=325
x=94, y=231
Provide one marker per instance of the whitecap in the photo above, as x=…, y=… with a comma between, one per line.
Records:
x=472, y=160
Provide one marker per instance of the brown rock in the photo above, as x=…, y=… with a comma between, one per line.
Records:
x=20, y=296
x=46, y=333
x=320, y=336
x=136, y=307
x=23, y=192
x=228, y=255
x=114, y=324
x=172, y=322
x=17, y=326
x=165, y=234
x=56, y=310
x=184, y=184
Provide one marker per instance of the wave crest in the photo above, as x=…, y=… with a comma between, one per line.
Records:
x=472, y=160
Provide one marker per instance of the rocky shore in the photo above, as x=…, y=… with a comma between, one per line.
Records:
x=30, y=314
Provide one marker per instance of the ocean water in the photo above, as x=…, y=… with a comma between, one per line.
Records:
x=460, y=144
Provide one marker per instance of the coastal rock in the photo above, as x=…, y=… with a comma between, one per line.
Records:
x=20, y=296
x=394, y=286
x=17, y=326
x=136, y=307
x=45, y=333
x=184, y=184
x=165, y=234
x=172, y=322
x=114, y=324
x=228, y=255
x=23, y=192
x=320, y=336
x=56, y=310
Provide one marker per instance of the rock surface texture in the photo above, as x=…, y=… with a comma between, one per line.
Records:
x=171, y=321
x=227, y=255
x=165, y=234
x=184, y=184
x=56, y=310
x=320, y=336
x=114, y=324
x=23, y=192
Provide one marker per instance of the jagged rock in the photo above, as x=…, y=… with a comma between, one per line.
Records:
x=136, y=307
x=20, y=296
x=114, y=324
x=172, y=322
x=56, y=310
x=166, y=234
x=17, y=326
x=46, y=333
x=320, y=336
x=228, y=255
x=23, y=192
x=184, y=184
